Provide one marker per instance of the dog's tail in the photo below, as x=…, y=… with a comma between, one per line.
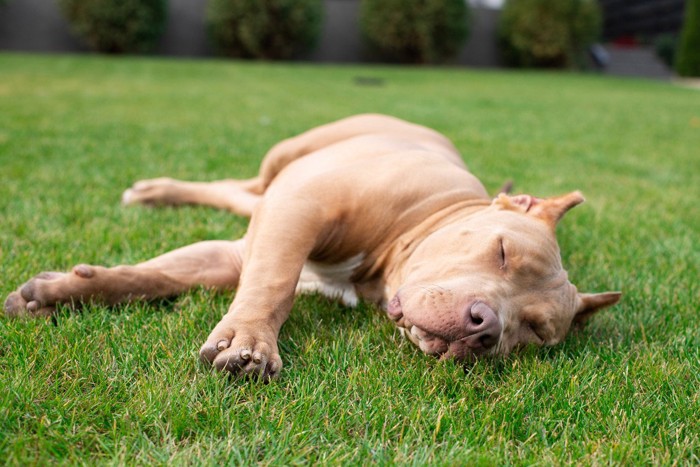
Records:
x=506, y=188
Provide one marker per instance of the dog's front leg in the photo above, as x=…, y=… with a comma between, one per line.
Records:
x=278, y=243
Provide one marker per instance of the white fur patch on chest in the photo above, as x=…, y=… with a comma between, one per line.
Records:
x=331, y=280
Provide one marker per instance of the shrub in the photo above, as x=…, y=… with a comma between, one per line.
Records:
x=266, y=29
x=665, y=46
x=688, y=60
x=548, y=33
x=415, y=31
x=117, y=26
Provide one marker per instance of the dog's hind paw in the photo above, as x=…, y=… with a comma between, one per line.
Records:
x=152, y=192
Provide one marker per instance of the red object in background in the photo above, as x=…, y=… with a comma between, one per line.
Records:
x=625, y=41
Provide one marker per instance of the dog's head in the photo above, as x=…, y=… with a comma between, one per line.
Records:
x=492, y=282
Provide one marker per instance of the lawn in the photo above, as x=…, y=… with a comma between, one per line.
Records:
x=124, y=385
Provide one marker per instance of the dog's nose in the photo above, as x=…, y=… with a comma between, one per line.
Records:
x=483, y=326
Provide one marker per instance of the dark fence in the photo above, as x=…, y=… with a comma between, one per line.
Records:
x=634, y=19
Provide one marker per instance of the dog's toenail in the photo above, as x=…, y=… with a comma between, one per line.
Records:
x=33, y=305
x=222, y=345
x=245, y=354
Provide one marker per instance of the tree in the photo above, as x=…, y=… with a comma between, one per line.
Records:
x=548, y=33
x=264, y=29
x=415, y=31
x=117, y=26
x=688, y=61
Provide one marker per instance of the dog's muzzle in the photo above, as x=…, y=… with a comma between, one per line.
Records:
x=480, y=334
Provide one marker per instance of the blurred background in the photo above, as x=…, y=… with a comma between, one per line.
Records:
x=648, y=38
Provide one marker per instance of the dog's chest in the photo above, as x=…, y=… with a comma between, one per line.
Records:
x=331, y=280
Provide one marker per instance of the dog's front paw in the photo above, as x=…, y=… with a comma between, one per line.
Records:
x=243, y=349
x=35, y=298
x=40, y=295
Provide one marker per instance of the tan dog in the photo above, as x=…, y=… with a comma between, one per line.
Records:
x=369, y=207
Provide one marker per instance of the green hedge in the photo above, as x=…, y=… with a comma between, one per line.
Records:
x=415, y=31
x=264, y=29
x=548, y=33
x=688, y=58
x=117, y=26
x=665, y=46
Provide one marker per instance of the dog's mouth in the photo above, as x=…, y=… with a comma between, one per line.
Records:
x=441, y=347
x=463, y=345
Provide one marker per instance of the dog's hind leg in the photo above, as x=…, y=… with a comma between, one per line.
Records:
x=241, y=196
x=213, y=264
x=237, y=196
x=315, y=139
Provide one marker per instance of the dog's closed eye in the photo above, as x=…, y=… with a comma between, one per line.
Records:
x=502, y=252
x=535, y=331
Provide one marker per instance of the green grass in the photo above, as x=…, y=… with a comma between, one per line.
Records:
x=123, y=385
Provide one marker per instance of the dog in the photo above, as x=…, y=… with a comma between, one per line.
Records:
x=366, y=208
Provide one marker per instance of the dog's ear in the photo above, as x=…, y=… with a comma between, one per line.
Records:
x=551, y=210
x=590, y=303
x=520, y=203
